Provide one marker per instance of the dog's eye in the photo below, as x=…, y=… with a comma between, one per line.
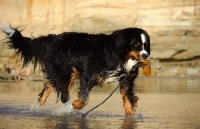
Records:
x=137, y=44
x=132, y=57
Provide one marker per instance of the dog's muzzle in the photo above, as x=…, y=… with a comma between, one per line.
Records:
x=145, y=56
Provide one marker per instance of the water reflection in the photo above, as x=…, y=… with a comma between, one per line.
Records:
x=168, y=85
x=143, y=85
x=71, y=121
x=22, y=117
x=168, y=108
x=65, y=122
x=17, y=87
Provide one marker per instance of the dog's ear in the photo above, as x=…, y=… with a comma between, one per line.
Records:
x=120, y=41
x=121, y=45
x=124, y=45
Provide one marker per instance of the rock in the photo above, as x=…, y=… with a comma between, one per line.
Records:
x=182, y=71
x=167, y=50
x=192, y=71
x=191, y=53
x=198, y=73
x=156, y=64
x=173, y=26
x=168, y=72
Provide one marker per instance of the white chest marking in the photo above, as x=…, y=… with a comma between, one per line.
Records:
x=129, y=64
x=111, y=79
x=112, y=75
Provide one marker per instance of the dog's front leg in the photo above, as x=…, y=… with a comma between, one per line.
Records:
x=83, y=94
x=128, y=96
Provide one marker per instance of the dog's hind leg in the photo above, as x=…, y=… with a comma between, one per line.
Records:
x=65, y=92
x=128, y=96
x=45, y=93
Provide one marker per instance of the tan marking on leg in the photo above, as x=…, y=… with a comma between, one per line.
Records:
x=77, y=104
x=74, y=75
x=47, y=90
x=127, y=105
x=100, y=80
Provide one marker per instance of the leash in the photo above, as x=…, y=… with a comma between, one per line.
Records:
x=83, y=115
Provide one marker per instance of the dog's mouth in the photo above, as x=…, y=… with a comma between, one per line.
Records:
x=141, y=59
x=144, y=62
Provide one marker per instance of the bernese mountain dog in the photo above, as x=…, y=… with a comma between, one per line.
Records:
x=94, y=59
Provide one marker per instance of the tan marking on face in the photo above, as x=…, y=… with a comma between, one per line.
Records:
x=46, y=91
x=137, y=44
x=133, y=53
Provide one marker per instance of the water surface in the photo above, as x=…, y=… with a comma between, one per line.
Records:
x=163, y=103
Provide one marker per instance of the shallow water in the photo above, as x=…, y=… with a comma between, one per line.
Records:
x=163, y=103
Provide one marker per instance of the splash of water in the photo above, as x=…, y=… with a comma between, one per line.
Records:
x=60, y=110
x=140, y=116
x=35, y=106
x=65, y=109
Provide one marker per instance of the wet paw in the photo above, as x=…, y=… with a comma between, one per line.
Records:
x=129, y=112
x=77, y=104
x=41, y=101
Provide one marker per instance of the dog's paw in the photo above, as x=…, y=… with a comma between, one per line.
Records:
x=129, y=112
x=41, y=101
x=77, y=104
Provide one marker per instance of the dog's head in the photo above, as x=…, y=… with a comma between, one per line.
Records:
x=134, y=43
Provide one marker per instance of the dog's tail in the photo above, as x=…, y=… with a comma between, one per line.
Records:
x=22, y=45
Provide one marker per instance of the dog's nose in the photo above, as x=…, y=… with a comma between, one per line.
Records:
x=145, y=56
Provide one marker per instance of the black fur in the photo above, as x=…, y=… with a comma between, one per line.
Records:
x=93, y=55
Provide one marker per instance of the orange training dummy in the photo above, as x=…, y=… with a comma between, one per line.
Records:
x=146, y=67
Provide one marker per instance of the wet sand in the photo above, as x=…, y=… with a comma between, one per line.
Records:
x=163, y=103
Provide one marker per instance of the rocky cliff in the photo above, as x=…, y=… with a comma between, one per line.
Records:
x=174, y=25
